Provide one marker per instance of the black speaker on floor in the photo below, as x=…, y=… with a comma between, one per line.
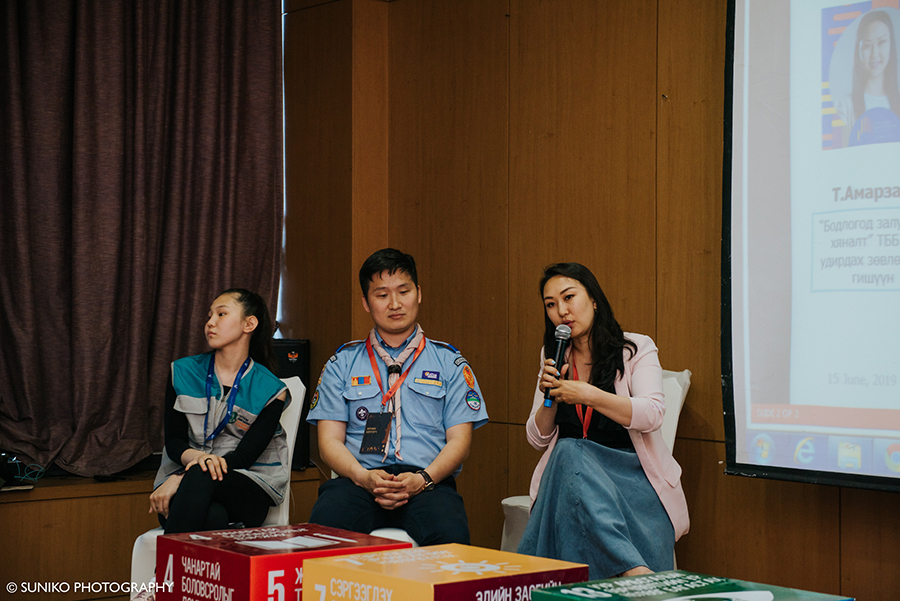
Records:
x=293, y=360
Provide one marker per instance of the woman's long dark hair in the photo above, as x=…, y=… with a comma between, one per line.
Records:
x=859, y=72
x=606, y=339
x=261, y=350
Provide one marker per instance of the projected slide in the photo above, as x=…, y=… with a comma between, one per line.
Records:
x=815, y=237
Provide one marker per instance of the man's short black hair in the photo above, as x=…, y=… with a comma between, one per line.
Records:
x=390, y=260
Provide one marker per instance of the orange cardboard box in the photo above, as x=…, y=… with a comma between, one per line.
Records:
x=437, y=573
x=251, y=564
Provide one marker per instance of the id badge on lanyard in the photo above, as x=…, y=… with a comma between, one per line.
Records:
x=375, y=437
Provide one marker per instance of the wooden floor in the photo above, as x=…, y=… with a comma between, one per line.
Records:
x=73, y=531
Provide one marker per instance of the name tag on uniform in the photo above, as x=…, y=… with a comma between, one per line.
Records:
x=430, y=377
x=375, y=437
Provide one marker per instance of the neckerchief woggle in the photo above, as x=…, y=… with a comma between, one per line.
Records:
x=231, y=397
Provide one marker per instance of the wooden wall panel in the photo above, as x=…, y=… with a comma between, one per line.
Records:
x=303, y=496
x=781, y=533
x=369, y=212
x=72, y=529
x=448, y=174
x=483, y=484
x=86, y=539
x=448, y=205
x=317, y=292
x=582, y=163
x=294, y=5
x=689, y=193
x=523, y=458
x=870, y=544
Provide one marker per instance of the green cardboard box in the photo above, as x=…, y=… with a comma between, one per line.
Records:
x=677, y=585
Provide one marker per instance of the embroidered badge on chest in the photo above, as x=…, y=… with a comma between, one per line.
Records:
x=360, y=380
x=362, y=414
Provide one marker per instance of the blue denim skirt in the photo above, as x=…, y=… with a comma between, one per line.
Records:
x=596, y=506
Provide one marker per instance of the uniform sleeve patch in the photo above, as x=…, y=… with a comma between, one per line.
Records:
x=469, y=376
x=315, y=400
x=460, y=360
x=473, y=400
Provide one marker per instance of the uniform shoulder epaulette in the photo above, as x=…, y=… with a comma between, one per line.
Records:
x=459, y=360
x=346, y=345
x=446, y=345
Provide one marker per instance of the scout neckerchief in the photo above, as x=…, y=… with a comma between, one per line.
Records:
x=586, y=417
x=231, y=397
x=391, y=398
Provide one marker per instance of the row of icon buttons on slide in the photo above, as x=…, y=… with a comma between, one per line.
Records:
x=878, y=456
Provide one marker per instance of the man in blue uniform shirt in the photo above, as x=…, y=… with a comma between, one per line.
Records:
x=395, y=414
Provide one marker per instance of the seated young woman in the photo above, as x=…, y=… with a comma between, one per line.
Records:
x=225, y=459
x=607, y=491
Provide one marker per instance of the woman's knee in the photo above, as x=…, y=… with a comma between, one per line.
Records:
x=196, y=479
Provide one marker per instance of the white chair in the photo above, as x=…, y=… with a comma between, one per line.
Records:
x=515, y=512
x=675, y=387
x=394, y=534
x=517, y=508
x=143, y=556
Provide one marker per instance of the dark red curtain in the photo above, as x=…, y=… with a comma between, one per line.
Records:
x=141, y=174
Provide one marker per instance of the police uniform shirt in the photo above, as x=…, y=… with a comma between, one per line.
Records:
x=439, y=392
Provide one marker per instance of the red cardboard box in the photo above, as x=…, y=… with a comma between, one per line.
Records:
x=251, y=564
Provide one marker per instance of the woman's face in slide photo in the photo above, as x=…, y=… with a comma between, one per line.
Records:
x=875, y=48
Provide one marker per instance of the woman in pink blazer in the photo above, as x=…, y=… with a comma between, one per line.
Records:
x=607, y=491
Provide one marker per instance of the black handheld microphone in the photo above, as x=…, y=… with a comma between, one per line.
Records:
x=562, y=341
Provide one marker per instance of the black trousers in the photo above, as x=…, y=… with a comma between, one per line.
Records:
x=202, y=503
x=431, y=518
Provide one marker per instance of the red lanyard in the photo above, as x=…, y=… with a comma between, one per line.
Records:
x=585, y=423
x=386, y=396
